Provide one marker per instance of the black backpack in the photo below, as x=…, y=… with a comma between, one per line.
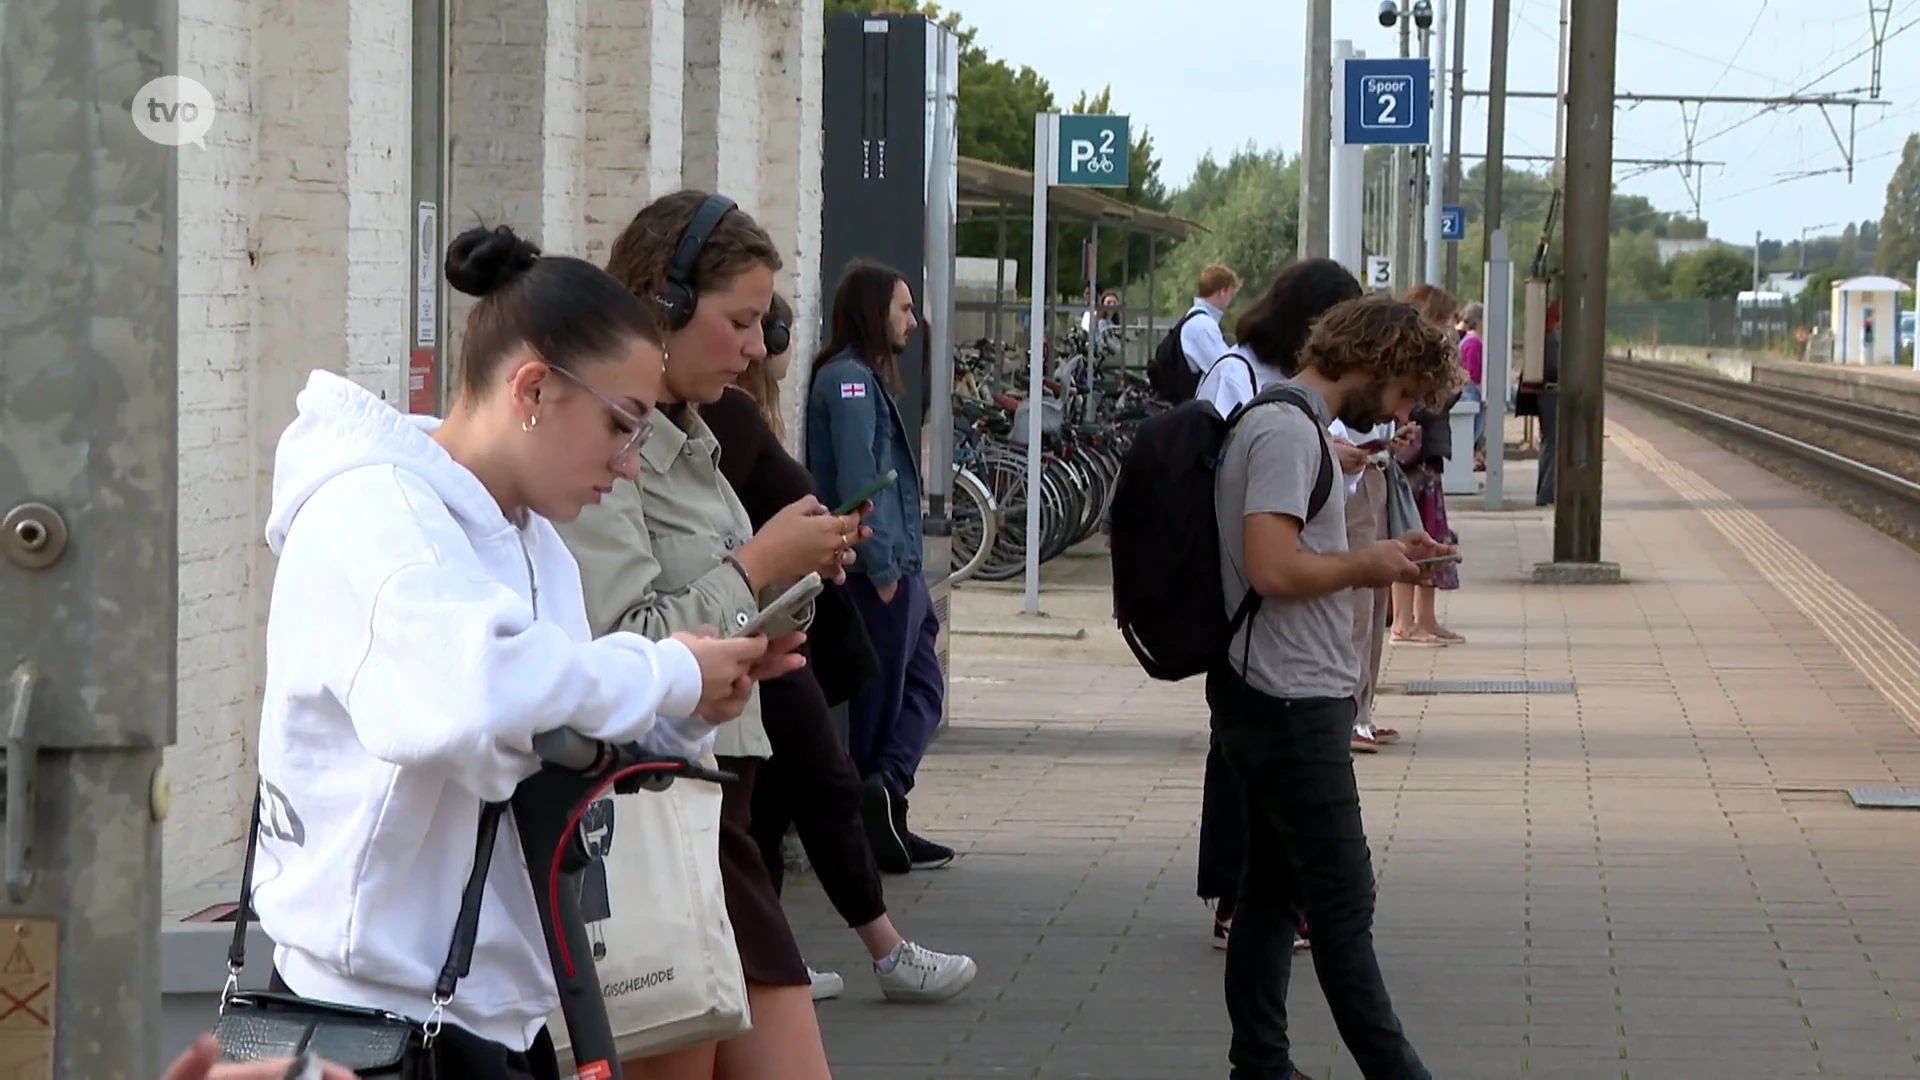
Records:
x=1166, y=537
x=1172, y=378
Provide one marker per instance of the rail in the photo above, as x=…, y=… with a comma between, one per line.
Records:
x=1859, y=472
x=1891, y=426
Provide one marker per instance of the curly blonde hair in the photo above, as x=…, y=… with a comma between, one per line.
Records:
x=1387, y=339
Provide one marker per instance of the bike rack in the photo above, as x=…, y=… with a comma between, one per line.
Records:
x=550, y=812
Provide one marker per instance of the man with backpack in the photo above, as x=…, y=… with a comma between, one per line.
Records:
x=1252, y=590
x=1195, y=342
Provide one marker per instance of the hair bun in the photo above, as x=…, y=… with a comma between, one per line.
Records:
x=481, y=260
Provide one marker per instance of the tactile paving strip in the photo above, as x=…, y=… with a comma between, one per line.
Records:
x=1885, y=798
x=1489, y=686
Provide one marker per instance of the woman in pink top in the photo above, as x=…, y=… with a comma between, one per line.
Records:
x=1473, y=358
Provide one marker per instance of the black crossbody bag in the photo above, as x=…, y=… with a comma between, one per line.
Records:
x=260, y=1025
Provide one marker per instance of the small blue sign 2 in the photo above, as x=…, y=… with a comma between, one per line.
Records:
x=1387, y=102
x=1453, y=223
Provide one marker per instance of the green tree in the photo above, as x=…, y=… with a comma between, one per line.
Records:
x=1634, y=271
x=1715, y=273
x=1899, y=237
x=1250, y=207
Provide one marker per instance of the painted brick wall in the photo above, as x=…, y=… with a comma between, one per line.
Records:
x=294, y=228
x=216, y=666
x=789, y=194
x=293, y=257
x=633, y=61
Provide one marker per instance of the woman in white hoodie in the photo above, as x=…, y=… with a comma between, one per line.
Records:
x=426, y=622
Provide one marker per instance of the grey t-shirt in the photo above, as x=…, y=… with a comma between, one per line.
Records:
x=1302, y=648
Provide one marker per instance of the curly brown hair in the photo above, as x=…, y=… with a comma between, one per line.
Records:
x=1387, y=339
x=640, y=256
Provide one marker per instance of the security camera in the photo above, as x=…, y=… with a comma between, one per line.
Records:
x=1389, y=12
x=1423, y=14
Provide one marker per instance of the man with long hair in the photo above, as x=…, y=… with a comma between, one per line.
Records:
x=855, y=436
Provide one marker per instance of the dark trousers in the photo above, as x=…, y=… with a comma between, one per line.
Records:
x=1306, y=855
x=810, y=783
x=1223, y=832
x=891, y=722
x=1549, y=446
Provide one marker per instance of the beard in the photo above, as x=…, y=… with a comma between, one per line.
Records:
x=1363, y=408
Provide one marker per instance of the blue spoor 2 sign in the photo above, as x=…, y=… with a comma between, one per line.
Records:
x=1387, y=102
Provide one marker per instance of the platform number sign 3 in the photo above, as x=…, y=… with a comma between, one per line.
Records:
x=1379, y=273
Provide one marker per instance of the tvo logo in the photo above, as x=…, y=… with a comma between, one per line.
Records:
x=174, y=110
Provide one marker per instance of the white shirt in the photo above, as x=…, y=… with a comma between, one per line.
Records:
x=416, y=642
x=1233, y=379
x=1382, y=432
x=1201, y=339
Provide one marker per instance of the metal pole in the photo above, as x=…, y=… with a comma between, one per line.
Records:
x=1436, y=160
x=89, y=563
x=1560, y=97
x=1496, y=339
x=1756, y=260
x=1346, y=180
x=1043, y=128
x=1417, y=166
x=1400, y=239
x=1496, y=164
x=1453, y=136
x=1316, y=135
x=1589, y=196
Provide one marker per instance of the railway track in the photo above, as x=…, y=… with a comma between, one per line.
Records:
x=1863, y=457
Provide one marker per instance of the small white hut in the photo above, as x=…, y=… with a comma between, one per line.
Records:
x=1866, y=320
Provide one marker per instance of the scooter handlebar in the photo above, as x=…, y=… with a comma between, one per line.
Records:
x=567, y=749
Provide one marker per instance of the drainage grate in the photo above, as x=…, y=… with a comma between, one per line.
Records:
x=1489, y=686
x=1885, y=798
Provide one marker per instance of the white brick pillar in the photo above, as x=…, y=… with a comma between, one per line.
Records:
x=632, y=57
x=789, y=184
x=293, y=245
x=724, y=94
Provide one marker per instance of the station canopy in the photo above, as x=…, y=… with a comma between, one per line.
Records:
x=987, y=190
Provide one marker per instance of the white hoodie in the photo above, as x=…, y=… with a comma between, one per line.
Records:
x=416, y=642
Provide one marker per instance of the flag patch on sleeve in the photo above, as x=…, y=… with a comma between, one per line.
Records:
x=853, y=389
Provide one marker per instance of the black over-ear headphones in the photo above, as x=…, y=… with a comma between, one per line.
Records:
x=778, y=335
x=681, y=294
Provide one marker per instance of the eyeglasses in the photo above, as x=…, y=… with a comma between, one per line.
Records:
x=641, y=426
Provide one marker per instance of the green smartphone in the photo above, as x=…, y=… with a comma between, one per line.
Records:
x=887, y=480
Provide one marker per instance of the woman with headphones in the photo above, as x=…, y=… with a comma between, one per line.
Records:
x=673, y=550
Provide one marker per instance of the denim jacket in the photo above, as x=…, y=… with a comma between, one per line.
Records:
x=854, y=435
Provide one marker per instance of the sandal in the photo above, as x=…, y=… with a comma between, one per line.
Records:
x=1449, y=636
x=1420, y=638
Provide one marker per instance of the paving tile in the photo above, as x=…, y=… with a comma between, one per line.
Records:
x=1657, y=877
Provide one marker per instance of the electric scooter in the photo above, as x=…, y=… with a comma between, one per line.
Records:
x=553, y=811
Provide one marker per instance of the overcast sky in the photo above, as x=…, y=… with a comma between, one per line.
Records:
x=1212, y=75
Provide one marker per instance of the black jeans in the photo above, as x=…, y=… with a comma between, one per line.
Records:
x=1223, y=830
x=810, y=783
x=1306, y=854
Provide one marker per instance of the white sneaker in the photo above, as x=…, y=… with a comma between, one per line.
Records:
x=922, y=975
x=826, y=984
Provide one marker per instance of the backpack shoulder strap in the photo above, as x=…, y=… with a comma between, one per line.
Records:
x=1288, y=394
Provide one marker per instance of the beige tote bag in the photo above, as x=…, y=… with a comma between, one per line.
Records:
x=663, y=946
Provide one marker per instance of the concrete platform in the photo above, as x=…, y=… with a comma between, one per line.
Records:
x=1657, y=875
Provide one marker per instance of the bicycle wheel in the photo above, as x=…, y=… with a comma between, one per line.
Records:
x=976, y=525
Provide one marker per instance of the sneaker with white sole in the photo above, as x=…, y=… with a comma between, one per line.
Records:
x=1364, y=742
x=826, y=984
x=920, y=976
